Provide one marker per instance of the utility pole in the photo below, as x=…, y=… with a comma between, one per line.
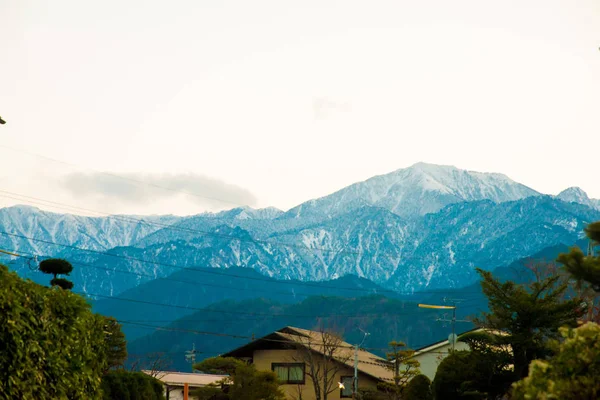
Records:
x=190, y=355
x=355, y=380
x=453, y=321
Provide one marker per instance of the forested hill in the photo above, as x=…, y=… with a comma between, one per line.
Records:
x=384, y=318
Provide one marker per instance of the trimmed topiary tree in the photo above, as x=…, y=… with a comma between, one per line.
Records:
x=57, y=266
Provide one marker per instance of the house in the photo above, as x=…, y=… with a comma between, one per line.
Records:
x=294, y=354
x=175, y=382
x=432, y=355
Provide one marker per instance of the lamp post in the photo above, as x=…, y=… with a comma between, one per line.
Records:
x=355, y=380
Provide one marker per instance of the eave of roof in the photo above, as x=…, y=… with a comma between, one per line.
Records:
x=287, y=333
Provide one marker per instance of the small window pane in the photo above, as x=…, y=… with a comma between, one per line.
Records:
x=347, y=381
x=296, y=374
x=282, y=373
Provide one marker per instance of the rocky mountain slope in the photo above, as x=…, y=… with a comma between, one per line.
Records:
x=577, y=195
x=415, y=191
x=375, y=229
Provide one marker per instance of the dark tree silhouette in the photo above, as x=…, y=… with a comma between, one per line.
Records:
x=57, y=266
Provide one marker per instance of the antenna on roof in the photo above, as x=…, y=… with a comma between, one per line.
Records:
x=190, y=355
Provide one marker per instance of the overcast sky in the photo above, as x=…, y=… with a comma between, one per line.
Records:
x=271, y=103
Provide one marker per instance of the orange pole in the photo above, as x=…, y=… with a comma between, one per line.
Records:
x=186, y=391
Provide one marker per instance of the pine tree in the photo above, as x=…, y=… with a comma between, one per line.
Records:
x=525, y=317
x=585, y=267
x=571, y=374
x=116, y=346
x=57, y=266
x=404, y=367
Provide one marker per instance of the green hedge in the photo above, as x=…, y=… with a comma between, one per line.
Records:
x=126, y=385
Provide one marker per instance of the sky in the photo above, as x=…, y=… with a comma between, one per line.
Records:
x=271, y=103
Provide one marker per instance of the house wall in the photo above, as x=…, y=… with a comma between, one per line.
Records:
x=176, y=392
x=263, y=359
x=430, y=360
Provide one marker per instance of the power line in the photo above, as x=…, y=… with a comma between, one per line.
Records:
x=205, y=270
x=234, y=336
x=184, y=229
x=210, y=310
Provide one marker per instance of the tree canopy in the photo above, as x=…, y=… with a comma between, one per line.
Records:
x=127, y=385
x=571, y=374
x=404, y=368
x=585, y=267
x=245, y=382
x=55, y=267
x=524, y=317
x=52, y=344
x=116, y=346
x=419, y=388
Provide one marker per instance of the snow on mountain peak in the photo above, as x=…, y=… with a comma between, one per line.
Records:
x=577, y=195
x=419, y=189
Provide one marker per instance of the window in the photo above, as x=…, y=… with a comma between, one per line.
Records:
x=289, y=372
x=348, y=382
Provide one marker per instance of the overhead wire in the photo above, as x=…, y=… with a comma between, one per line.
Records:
x=265, y=315
x=205, y=270
x=97, y=295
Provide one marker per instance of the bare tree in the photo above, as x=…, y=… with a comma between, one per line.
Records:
x=324, y=357
x=155, y=363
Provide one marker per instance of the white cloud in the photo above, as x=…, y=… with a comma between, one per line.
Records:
x=142, y=189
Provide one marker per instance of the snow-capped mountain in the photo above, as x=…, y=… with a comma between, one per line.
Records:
x=577, y=195
x=439, y=250
x=415, y=191
x=96, y=233
x=425, y=226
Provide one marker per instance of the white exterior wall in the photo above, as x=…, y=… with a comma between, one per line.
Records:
x=430, y=360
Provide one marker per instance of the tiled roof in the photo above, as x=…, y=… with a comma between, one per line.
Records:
x=368, y=363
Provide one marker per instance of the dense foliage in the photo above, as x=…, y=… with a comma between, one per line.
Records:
x=456, y=376
x=52, y=344
x=571, y=374
x=245, y=382
x=419, y=388
x=127, y=385
x=585, y=267
x=384, y=318
x=116, y=346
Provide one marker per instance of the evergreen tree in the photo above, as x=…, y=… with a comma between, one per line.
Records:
x=456, y=376
x=404, y=368
x=524, y=317
x=585, y=267
x=128, y=385
x=245, y=382
x=57, y=266
x=571, y=374
x=116, y=346
x=419, y=388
